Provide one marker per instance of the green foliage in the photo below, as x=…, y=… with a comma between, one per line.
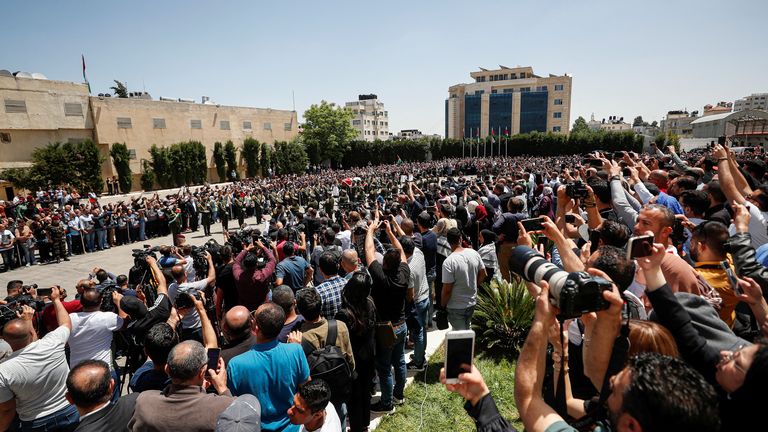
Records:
x=147, y=176
x=119, y=89
x=580, y=125
x=219, y=161
x=121, y=160
x=183, y=163
x=503, y=316
x=230, y=154
x=669, y=139
x=266, y=158
x=289, y=157
x=250, y=153
x=327, y=132
x=75, y=164
x=161, y=165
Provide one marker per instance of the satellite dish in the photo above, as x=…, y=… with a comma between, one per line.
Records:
x=23, y=75
x=5, y=73
x=38, y=75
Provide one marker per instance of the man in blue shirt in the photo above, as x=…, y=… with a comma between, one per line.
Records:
x=293, y=271
x=270, y=370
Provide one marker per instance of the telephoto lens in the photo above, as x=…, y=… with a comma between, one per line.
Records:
x=573, y=293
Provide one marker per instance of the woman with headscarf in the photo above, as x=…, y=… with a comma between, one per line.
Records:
x=546, y=203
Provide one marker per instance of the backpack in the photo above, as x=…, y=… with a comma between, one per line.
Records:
x=329, y=364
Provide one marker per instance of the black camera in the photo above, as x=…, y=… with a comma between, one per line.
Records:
x=678, y=235
x=107, y=305
x=184, y=299
x=574, y=293
x=14, y=305
x=576, y=190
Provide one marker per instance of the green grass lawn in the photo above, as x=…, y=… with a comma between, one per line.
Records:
x=441, y=410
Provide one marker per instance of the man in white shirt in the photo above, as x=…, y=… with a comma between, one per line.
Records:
x=463, y=271
x=91, y=337
x=33, y=379
x=312, y=408
x=190, y=321
x=6, y=246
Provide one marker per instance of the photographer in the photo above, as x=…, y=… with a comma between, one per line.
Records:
x=252, y=281
x=34, y=378
x=181, y=292
x=91, y=337
x=140, y=318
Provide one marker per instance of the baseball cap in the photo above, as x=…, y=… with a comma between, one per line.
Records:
x=244, y=414
x=133, y=307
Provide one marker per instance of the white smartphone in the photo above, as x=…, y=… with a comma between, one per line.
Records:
x=459, y=350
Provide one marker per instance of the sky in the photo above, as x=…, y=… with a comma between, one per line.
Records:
x=627, y=58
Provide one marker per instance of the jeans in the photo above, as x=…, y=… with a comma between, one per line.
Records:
x=461, y=319
x=142, y=230
x=90, y=241
x=28, y=253
x=101, y=237
x=64, y=420
x=116, y=392
x=386, y=359
x=420, y=333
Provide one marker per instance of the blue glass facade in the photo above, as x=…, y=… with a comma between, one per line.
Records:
x=500, y=113
x=533, y=111
x=472, y=115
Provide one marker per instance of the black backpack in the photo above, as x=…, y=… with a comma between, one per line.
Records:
x=329, y=364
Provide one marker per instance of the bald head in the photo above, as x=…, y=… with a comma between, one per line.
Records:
x=18, y=333
x=349, y=260
x=237, y=322
x=660, y=178
x=89, y=384
x=91, y=299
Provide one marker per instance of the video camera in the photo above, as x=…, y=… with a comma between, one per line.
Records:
x=185, y=297
x=14, y=305
x=573, y=293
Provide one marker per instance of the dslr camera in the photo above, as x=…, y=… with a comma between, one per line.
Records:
x=576, y=190
x=184, y=299
x=573, y=293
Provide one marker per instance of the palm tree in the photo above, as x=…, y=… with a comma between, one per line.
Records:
x=120, y=89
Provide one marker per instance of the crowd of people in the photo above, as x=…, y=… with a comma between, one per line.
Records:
x=291, y=323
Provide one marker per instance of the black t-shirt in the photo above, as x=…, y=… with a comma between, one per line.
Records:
x=429, y=248
x=388, y=291
x=225, y=280
x=159, y=312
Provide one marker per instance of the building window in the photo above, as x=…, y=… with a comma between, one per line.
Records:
x=494, y=91
x=557, y=115
x=73, y=110
x=354, y=111
x=509, y=90
x=124, y=123
x=247, y=125
x=558, y=101
x=479, y=92
x=158, y=123
x=356, y=122
x=541, y=88
x=525, y=89
x=287, y=126
x=5, y=137
x=558, y=87
x=196, y=124
x=386, y=113
x=131, y=153
x=13, y=106
x=224, y=125
x=556, y=129
x=268, y=126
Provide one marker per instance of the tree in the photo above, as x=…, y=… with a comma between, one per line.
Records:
x=119, y=89
x=161, y=165
x=86, y=156
x=221, y=163
x=266, y=158
x=638, y=121
x=250, y=153
x=75, y=164
x=654, y=124
x=327, y=132
x=580, y=125
x=147, y=176
x=290, y=157
x=230, y=154
x=121, y=160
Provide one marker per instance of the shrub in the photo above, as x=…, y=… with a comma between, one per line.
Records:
x=503, y=316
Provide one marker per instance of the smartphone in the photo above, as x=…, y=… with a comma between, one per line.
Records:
x=640, y=246
x=732, y=280
x=44, y=292
x=569, y=218
x=459, y=350
x=721, y=140
x=534, y=224
x=626, y=172
x=213, y=359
